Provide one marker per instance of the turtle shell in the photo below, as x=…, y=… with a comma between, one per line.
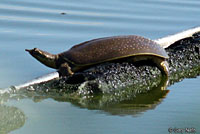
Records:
x=111, y=48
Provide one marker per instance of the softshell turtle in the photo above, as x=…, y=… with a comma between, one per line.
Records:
x=93, y=52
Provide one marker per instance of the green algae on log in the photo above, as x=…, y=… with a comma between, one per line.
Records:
x=11, y=119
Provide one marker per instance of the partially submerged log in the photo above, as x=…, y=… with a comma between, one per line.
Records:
x=117, y=88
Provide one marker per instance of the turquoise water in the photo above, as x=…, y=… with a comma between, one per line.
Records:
x=29, y=24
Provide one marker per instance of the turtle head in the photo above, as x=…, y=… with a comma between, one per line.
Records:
x=44, y=57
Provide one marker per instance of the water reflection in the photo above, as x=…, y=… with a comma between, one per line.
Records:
x=129, y=105
x=118, y=103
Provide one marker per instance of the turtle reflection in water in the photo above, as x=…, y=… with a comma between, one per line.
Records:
x=97, y=51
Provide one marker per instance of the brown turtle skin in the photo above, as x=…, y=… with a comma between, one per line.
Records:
x=101, y=50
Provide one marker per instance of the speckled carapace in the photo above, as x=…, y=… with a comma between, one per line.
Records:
x=110, y=48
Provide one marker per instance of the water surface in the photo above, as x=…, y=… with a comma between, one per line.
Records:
x=34, y=23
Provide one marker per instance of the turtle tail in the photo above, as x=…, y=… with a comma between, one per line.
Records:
x=45, y=58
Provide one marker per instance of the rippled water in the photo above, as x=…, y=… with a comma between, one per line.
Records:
x=55, y=26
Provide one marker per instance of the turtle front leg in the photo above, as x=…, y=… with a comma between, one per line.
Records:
x=65, y=70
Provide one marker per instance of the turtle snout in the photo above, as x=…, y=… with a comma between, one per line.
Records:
x=28, y=50
x=32, y=50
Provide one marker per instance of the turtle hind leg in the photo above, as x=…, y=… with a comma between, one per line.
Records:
x=65, y=70
x=163, y=66
x=161, y=63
